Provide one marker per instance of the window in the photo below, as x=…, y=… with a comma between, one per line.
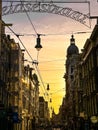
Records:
x=71, y=70
x=97, y=56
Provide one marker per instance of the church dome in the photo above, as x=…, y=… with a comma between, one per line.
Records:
x=72, y=49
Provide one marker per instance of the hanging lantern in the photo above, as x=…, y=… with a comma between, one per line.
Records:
x=38, y=46
x=50, y=100
x=48, y=87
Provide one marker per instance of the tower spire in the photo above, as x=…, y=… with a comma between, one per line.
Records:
x=72, y=40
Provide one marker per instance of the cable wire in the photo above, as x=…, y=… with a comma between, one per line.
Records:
x=37, y=54
x=30, y=57
x=28, y=17
x=41, y=78
x=21, y=43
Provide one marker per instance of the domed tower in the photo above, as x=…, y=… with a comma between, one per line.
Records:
x=72, y=49
x=71, y=62
x=72, y=53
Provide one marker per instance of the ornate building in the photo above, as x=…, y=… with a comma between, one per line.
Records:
x=81, y=105
x=71, y=62
x=89, y=76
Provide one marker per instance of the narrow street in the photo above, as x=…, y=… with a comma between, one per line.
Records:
x=48, y=64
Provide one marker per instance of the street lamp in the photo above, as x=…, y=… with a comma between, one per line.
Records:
x=38, y=46
x=48, y=88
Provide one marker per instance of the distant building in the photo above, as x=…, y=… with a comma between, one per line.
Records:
x=30, y=98
x=72, y=60
x=43, y=112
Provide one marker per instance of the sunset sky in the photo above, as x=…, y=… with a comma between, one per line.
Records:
x=57, y=31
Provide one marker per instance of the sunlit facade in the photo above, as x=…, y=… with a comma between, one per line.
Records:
x=30, y=98
x=19, y=88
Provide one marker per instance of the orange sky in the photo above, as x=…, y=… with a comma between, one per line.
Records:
x=53, y=54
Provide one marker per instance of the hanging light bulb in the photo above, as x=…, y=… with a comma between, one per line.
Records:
x=48, y=87
x=38, y=46
x=50, y=100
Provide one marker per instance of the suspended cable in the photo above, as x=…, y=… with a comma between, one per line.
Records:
x=29, y=56
x=21, y=42
x=57, y=60
x=28, y=16
x=53, y=70
x=57, y=91
x=36, y=65
x=28, y=34
x=37, y=55
x=40, y=78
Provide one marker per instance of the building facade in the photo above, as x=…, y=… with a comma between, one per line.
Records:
x=19, y=88
x=81, y=99
x=90, y=78
x=44, y=115
x=30, y=99
x=10, y=83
